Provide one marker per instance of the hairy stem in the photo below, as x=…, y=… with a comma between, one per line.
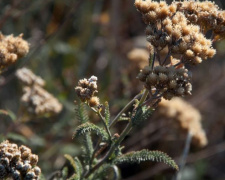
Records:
x=111, y=150
x=104, y=123
x=114, y=121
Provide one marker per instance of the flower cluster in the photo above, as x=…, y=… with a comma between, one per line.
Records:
x=27, y=77
x=186, y=118
x=18, y=163
x=86, y=90
x=12, y=48
x=36, y=100
x=167, y=81
x=206, y=14
x=179, y=29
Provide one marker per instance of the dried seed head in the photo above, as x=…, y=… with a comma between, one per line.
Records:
x=185, y=117
x=37, y=101
x=86, y=88
x=11, y=48
x=27, y=77
x=168, y=81
x=17, y=164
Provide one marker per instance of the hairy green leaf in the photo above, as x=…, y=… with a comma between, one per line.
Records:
x=74, y=177
x=107, y=113
x=64, y=173
x=83, y=118
x=146, y=155
x=108, y=171
x=140, y=115
x=76, y=164
x=81, y=113
x=90, y=127
x=71, y=160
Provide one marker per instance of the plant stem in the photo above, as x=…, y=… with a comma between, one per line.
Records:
x=111, y=150
x=114, y=121
x=184, y=156
x=144, y=96
x=104, y=123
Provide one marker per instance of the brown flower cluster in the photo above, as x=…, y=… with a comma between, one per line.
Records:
x=27, y=77
x=12, y=48
x=36, y=100
x=186, y=118
x=18, y=163
x=179, y=29
x=171, y=26
x=205, y=14
x=167, y=81
x=86, y=90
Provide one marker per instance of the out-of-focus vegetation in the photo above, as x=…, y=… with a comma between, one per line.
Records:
x=70, y=40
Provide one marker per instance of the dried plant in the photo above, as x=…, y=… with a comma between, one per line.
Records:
x=18, y=162
x=185, y=118
x=176, y=34
x=11, y=49
x=36, y=101
x=179, y=29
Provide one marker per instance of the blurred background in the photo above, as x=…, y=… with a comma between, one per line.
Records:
x=74, y=39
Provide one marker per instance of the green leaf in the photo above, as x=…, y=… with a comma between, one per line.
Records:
x=71, y=160
x=17, y=137
x=81, y=113
x=74, y=177
x=8, y=113
x=79, y=166
x=76, y=164
x=146, y=155
x=83, y=118
x=90, y=127
x=64, y=173
x=107, y=171
x=107, y=113
x=140, y=115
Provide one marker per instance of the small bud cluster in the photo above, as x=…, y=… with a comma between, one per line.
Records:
x=167, y=81
x=27, y=77
x=36, y=100
x=18, y=163
x=186, y=118
x=11, y=49
x=86, y=90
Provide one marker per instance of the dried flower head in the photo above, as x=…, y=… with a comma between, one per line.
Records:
x=166, y=81
x=26, y=76
x=18, y=163
x=86, y=88
x=186, y=117
x=181, y=27
x=38, y=101
x=12, y=48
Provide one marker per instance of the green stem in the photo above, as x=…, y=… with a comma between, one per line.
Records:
x=115, y=120
x=111, y=150
x=104, y=123
x=144, y=96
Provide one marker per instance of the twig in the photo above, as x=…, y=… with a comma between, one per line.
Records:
x=184, y=156
x=114, y=121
